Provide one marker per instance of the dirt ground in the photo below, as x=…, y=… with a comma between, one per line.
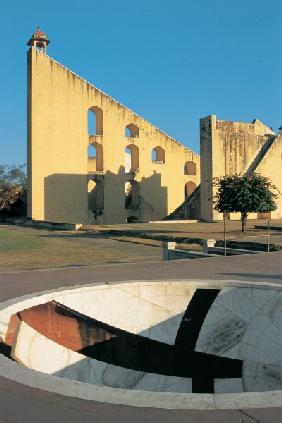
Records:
x=196, y=231
x=24, y=248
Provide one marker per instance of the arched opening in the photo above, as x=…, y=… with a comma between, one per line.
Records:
x=158, y=155
x=132, y=195
x=39, y=45
x=95, y=157
x=131, y=158
x=95, y=191
x=91, y=188
x=91, y=151
x=189, y=188
x=95, y=121
x=190, y=168
x=132, y=131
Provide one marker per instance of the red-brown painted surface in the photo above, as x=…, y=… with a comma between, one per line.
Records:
x=65, y=326
x=12, y=330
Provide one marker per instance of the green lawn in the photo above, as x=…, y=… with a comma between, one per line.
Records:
x=17, y=241
x=27, y=248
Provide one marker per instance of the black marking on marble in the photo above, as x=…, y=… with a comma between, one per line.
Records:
x=134, y=352
x=121, y=348
x=194, y=317
x=226, y=335
x=202, y=367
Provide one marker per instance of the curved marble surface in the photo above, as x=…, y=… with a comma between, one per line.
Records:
x=152, y=310
x=40, y=353
x=261, y=301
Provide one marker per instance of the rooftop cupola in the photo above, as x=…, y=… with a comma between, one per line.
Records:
x=39, y=40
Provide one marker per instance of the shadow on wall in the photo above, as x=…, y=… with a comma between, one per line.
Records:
x=103, y=197
x=65, y=198
x=153, y=198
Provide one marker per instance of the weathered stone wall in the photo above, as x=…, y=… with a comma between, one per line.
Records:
x=58, y=164
x=207, y=128
x=271, y=166
x=229, y=148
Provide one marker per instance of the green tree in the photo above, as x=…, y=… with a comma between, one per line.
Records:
x=245, y=194
x=13, y=185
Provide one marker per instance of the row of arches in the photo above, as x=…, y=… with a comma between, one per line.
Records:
x=95, y=124
x=132, y=157
x=95, y=158
x=95, y=191
x=132, y=197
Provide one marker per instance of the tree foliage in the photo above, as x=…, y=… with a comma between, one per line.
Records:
x=245, y=194
x=12, y=189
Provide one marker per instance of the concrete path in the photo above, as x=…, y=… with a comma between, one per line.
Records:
x=21, y=404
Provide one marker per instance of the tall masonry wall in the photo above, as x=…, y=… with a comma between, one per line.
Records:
x=271, y=167
x=229, y=148
x=67, y=186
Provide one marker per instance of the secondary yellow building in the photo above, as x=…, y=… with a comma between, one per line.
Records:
x=229, y=148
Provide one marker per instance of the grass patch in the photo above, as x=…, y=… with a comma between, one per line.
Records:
x=26, y=248
x=14, y=240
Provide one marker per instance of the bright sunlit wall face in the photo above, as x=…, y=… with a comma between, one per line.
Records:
x=60, y=180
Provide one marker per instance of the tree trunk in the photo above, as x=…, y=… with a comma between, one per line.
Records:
x=244, y=220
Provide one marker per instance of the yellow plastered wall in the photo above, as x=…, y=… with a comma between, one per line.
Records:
x=58, y=103
x=271, y=167
x=229, y=148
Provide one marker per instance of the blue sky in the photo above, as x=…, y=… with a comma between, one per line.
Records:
x=171, y=61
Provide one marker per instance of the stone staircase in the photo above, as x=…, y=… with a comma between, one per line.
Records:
x=189, y=209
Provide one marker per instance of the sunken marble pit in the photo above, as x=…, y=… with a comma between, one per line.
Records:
x=185, y=337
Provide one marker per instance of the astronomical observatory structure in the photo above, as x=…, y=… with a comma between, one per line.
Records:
x=92, y=160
